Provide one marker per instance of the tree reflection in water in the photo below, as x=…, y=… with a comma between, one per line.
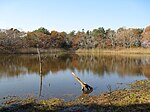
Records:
x=15, y=65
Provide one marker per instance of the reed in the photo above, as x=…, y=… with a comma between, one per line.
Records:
x=116, y=51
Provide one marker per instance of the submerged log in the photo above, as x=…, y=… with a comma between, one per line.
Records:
x=84, y=86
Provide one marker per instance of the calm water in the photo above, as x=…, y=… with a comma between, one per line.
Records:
x=19, y=74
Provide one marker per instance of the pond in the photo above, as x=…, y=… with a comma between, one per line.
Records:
x=20, y=76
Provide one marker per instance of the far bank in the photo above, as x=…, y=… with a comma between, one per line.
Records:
x=116, y=51
x=33, y=50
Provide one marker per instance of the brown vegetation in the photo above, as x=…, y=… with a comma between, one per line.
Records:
x=13, y=39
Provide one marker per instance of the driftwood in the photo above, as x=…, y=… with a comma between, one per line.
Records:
x=84, y=86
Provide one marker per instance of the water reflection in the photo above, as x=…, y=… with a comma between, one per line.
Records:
x=15, y=65
x=25, y=75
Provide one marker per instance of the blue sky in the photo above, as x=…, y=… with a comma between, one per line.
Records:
x=68, y=15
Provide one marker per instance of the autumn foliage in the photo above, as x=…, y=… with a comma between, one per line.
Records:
x=11, y=39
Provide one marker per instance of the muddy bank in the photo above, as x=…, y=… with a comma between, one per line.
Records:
x=135, y=99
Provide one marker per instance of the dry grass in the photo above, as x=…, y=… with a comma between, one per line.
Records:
x=117, y=51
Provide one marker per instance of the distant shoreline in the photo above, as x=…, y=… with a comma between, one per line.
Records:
x=93, y=51
x=31, y=51
x=116, y=51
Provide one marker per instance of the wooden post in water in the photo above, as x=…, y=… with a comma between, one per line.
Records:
x=84, y=86
x=40, y=70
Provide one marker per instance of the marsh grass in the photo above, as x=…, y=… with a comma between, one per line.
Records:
x=116, y=51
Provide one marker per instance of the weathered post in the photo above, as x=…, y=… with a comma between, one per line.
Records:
x=40, y=70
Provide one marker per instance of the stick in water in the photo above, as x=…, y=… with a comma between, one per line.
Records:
x=84, y=86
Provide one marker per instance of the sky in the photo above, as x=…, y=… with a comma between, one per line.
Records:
x=68, y=15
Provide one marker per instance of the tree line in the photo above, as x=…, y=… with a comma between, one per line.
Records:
x=101, y=38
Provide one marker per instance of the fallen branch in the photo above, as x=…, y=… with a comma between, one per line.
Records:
x=85, y=87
